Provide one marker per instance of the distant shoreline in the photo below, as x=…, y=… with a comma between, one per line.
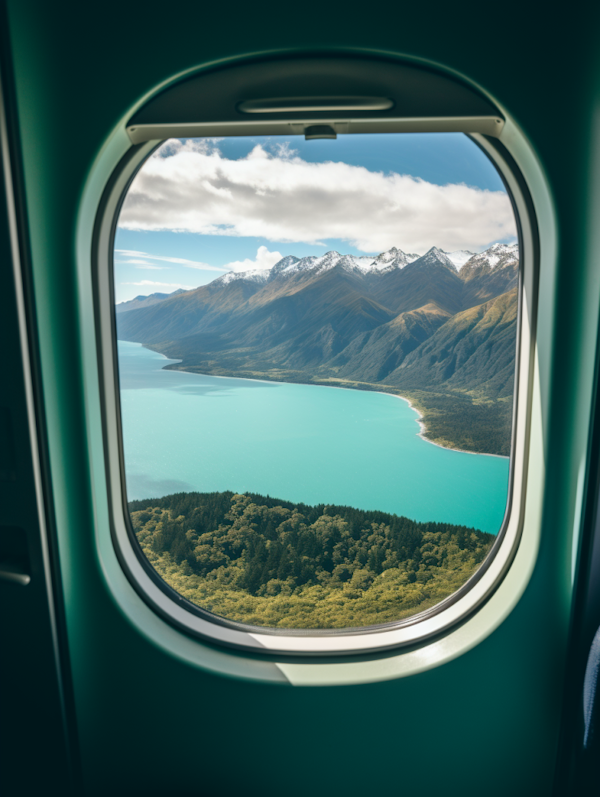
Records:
x=422, y=426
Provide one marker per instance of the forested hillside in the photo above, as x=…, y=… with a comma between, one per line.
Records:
x=410, y=325
x=265, y=562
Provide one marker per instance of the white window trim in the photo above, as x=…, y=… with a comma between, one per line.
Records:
x=308, y=658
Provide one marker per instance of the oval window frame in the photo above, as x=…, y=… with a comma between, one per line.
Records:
x=412, y=631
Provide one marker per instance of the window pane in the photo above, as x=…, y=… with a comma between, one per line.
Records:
x=317, y=344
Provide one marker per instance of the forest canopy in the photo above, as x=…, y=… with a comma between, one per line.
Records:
x=266, y=562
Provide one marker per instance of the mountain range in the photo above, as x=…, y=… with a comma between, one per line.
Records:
x=439, y=329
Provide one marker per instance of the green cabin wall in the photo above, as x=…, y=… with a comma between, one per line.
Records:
x=148, y=723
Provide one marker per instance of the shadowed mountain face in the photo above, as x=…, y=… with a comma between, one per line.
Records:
x=373, y=355
x=432, y=278
x=430, y=323
x=489, y=274
x=474, y=349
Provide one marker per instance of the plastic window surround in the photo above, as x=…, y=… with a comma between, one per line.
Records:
x=409, y=632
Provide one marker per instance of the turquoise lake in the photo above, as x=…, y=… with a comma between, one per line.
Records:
x=300, y=443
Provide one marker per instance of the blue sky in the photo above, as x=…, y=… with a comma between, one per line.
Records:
x=439, y=158
x=167, y=216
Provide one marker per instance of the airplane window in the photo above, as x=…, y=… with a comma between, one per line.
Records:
x=317, y=347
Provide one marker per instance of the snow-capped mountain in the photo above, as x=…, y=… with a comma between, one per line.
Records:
x=435, y=256
x=293, y=266
x=497, y=256
x=286, y=267
x=391, y=260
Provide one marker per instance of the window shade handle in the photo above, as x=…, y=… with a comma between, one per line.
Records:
x=292, y=104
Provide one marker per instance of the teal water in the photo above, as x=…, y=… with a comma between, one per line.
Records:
x=300, y=443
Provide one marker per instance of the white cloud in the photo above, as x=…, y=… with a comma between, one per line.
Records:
x=278, y=196
x=143, y=264
x=179, y=260
x=134, y=262
x=264, y=259
x=145, y=283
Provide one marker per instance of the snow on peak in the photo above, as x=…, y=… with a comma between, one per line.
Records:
x=460, y=257
x=503, y=248
x=285, y=264
x=392, y=259
x=253, y=275
x=387, y=257
x=436, y=256
x=288, y=266
x=329, y=260
x=293, y=265
x=496, y=256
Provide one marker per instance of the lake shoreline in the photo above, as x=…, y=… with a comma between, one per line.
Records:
x=371, y=388
x=423, y=431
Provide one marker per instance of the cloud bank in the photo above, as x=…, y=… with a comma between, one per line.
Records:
x=273, y=194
